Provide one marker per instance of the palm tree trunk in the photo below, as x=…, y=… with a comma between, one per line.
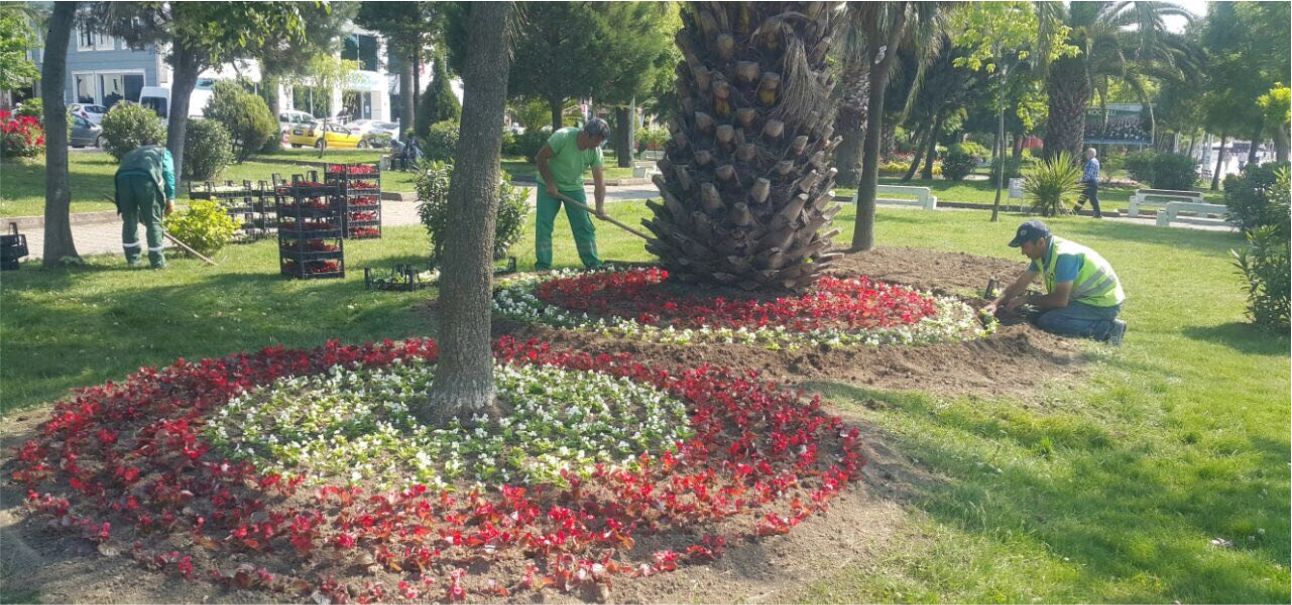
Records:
x=1220, y=161
x=920, y=140
x=850, y=123
x=186, y=70
x=863, y=236
x=931, y=154
x=1069, y=92
x=463, y=385
x=58, y=194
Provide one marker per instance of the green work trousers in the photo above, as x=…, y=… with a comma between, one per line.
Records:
x=139, y=202
x=585, y=233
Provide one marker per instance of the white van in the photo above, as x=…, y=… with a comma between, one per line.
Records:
x=157, y=98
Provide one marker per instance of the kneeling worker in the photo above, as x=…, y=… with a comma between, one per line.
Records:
x=1083, y=294
x=145, y=190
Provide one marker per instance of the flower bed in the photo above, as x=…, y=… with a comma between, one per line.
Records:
x=152, y=467
x=638, y=303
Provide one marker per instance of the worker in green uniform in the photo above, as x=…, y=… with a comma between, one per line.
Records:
x=561, y=162
x=145, y=190
x=1083, y=295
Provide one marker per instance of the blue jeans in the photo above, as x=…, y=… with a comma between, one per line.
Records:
x=1079, y=319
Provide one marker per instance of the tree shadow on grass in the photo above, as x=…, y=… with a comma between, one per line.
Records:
x=1063, y=485
x=1243, y=337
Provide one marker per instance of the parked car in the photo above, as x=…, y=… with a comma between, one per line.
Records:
x=375, y=132
x=157, y=98
x=289, y=119
x=325, y=135
x=93, y=113
x=85, y=133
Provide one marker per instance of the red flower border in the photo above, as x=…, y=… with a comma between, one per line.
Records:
x=125, y=463
x=850, y=304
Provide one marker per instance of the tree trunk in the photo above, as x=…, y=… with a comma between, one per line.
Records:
x=1220, y=161
x=850, y=123
x=1069, y=92
x=407, y=91
x=1192, y=141
x=920, y=140
x=557, y=104
x=999, y=162
x=415, y=57
x=186, y=69
x=1281, y=144
x=1255, y=143
x=58, y=194
x=624, y=136
x=931, y=155
x=863, y=235
x=463, y=385
x=275, y=103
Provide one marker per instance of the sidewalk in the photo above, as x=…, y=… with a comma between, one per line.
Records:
x=105, y=236
x=101, y=232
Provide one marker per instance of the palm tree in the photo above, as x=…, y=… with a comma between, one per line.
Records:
x=1111, y=36
x=872, y=32
x=463, y=384
x=746, y=179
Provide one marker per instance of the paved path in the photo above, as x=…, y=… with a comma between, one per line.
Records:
x=101, y=238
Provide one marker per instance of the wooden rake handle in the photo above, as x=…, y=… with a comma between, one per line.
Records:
x=577, y=204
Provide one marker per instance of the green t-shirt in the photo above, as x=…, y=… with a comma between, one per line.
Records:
x=568, y=161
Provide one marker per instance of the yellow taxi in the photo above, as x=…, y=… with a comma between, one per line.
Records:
x=325, y=135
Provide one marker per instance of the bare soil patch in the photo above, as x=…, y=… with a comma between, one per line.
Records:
x=861, y=524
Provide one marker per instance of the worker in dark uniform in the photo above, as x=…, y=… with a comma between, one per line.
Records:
x=145, y=193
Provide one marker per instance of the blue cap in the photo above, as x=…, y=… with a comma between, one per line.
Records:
x=1029, y=231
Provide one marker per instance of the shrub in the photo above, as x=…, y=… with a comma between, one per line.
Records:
x=959, y=163
x=1139, y=165
x=441, y=141
x=245, y=115
x=1015, y=167
x=208, y=148
x=204, y=226
x=34, y=107
x=1174, y=171
x=433, y=209
x=528, y=144
x=1248, y=196
x=128, y=126
x=1053, y=186
x=22, y=135
x=652, y=138
x=1264, y=263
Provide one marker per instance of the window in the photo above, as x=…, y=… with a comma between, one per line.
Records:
x=90, y=40
x=84, y=88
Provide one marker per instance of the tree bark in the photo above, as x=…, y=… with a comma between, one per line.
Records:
x=1220, y=161
x=186, y=69
x=1255, y=143
x=407, y=91
x=415, y=57
x=58, y=194
x=863, y=235
x=850, y=123
x=998, y=153
x=624, y=137
x=921, y=139
x=275, y=108
x=1281, y=144
x=463, y=386
x=557, y=104
x=1069, y=92
x=931, y=155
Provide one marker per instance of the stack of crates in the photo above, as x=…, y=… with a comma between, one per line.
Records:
x=359, y=185
x=311, y=242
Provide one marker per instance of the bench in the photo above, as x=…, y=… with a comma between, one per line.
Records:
x=924, y=197
x=1207, y=214
x=1160, y=196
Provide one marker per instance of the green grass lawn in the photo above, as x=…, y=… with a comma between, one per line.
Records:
x=22, y=183
x=984, y=192
x=1110, y=491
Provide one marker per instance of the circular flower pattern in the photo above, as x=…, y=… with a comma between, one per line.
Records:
x=639, y=303
x=147, y=467
x=355, y=426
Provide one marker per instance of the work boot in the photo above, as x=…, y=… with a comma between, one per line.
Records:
x=1117, y=333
